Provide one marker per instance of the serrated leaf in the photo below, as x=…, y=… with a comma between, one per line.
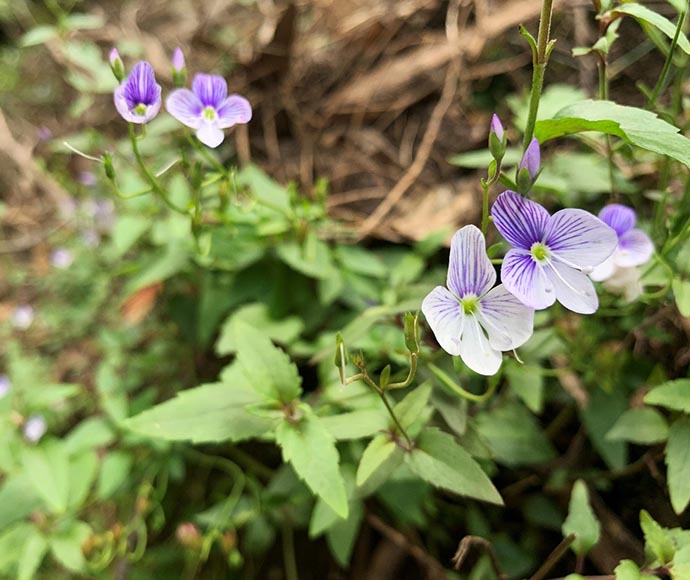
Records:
x=380, y=448
x=627, y=570
x=581, y=520
x=410, y=408
x=658, y=542
x=267, y=368
x=636, y=126
x=357, y=424
x=439, y=460
x=48, y=469
x=643, y=426
x=205, y=414
x=310, y=449
x=678, y=464
x=644, y=14
x=673, y=395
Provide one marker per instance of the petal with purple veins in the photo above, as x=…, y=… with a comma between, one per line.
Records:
x=634, y=248
x=525, y=279
x=211, y=89
x=469, y=268
x=186, y=107
x=210, y=134
x=604, y=270
x=445, y=317
x=619, y=217
x=573, y=289
x=475, y=350
x=507, y=321
x=233, y=110
x=579, y=238
x=519, y=220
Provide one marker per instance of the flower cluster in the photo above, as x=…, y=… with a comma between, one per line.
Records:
x=553, y=258
x=207, y=108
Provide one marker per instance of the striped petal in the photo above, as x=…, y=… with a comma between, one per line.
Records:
x=507, y=321
x=212, y=90
x=634, y=248
x=469, y=269
x=234, y=110
x=525, y=279
x=186, y=107
x=445, y=317
x=520, y=221
x=579, y=238
x=476, y=351
x=573, y=288
x=621, y=218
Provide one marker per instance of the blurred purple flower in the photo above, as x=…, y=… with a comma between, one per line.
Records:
x=61, y=258
x=23, y=316
x=208, y=109
x=496, y=127
x=116, y=65
x=35, y=428
x=5, y=386
x=551, y=254
x=101, y=210
x=471, y=319
x=634, y=246
x=178, y=63
x=44, y=134
x=528, y=168
x=138, y=99
x=87, y=178
x=91, y=238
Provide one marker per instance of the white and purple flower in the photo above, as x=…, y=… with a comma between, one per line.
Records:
x=5, y=386
x=23, y=316
x=138, y=99
x=552, y=255
x=208, y=109
x=470, y=318
x=634, y=246
x=35, y=428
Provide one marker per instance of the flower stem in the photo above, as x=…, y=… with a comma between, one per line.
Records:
x=485, y=206
x=155, y=185
x=410, y=376
x=651, y=102
x=450, y=383
x=540, y=57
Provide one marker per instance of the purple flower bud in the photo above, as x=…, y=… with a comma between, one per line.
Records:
x=87, y=178
x=23, y=316
x=35, y=428
x=531, y=160
x=5, y=386
x=61, y=258
x=496, y=127
x=116, y=65
x=138, y=99
x=178, y=60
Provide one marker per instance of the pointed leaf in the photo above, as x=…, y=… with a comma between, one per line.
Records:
x=409, y=409
x=310, y=449
x=642, y=426
x=377, y=452
x=66, y=546
x=644, y=14
x=672, y=395
x=438, y=459
x=356, y=424
x=678, y=464
x=581, y=520
x=32, y=555
x=658, y=542
x=48, y=470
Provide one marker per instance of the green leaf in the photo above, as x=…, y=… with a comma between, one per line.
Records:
x=581, y=520
x=681, y=292
x=205, y=414
x=514, y=435
x=673, y=395
x=257, y=315
x=172, y=260
x=18, y=499
x=527, y=382
x=32, y=555
x=678, y=464
x=642, y=426
x=83, y=469
x=114, y=472
x=636, y=126
x=268, y=369
x=658, y=542
x=12, y=541
x=310, y=449
x=48, y=469
x=89, y=434
x=37, y=35
x=439, y=460
x=127, y=230
x=627, y=570
x=602, y=412
x=380, y=448
x=644, y=14
x=410, y=408
x=66, y=546
x=357, y=424
x=341, y=536
x=313, y=258
x=267, y=191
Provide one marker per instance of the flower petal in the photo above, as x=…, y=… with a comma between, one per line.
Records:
x=507, y=321
x=580, y=238
x=519, y=220
x=211, y=89
x=573, y=288
x=469, y=269
x=604, y=270
x=475, y=350
x=526, y=280
x=235, y=109
x=141, y=86
x=634, y=248
x=186, y=107
x=445, y=317
x=627, y=282
x=210, y=134
x=619, y=217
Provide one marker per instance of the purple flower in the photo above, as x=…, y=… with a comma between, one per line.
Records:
x=179, y=69
x=208, y=109
x=91, y=238
x=497, y=139
x=23, y=316
x=45, y=134
x=471, y=319
x=116, y=65
x=138, y=99
x=87, y=178
x=551, y=254
x=528, y=168
x=634, y=246
x=35, y=428
x=61, y=258
x=5, y=386
x=496, y=127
